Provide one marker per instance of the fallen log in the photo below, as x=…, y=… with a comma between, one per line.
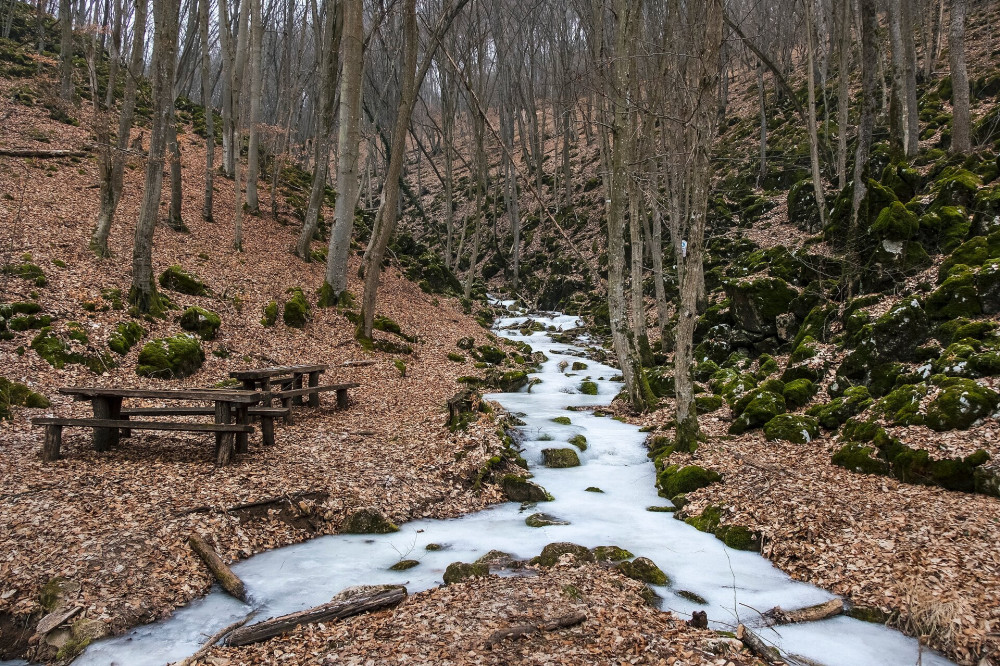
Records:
x=822, y=611
x=357, y=364
x=335, y=610
x=767, y=653
x=229, y=581
x=215, y=638
x=522, y=630
x=41, y=153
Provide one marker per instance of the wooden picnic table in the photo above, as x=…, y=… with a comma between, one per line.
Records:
x=231, y=406
x=289, y=376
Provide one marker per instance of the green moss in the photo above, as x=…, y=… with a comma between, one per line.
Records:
x=611, y=554
x=676, y=480
x=170, y=358
x=858, y=458
x=543, y=520
x=58, y=353
x=26, y=271
x=869, y=614
x=367, y=521
x=593, y=489
x=551, y=554
x=802, y=208
x=706, y=404
x=798, y=393
x=588, y=387
x=738, y=537
x=708, y=520
x=579, y=441
x=762, y=407
x=518, y=489
x=177, y=279
x=15, y=394
x=834, y=413
x=643, y=569
x=792, y=428
x=895, y=223
x=126, y=335
x=204, y=323
x=297, y=311
x=961, y=403
x=270, y=314
x=457, y=358
x=956, y=297
x=459, y=571
x=560, y=458
x=757, y=303
x=562, y=420
x=579, y=365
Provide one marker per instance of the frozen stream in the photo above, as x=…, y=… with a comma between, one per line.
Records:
x=308, y=574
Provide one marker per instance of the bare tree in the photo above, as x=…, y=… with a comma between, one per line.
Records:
x=960, y=139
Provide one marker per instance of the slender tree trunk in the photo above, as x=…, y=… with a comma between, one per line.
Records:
x=66, y=51
x=206, y=100
x=960, y=139
x=762, y=104
x=817, y=176
x=165, y=16
x=239, y=72
x=869, y=90
x=256, y=85
x=347, y=151
x=228, y=65
x=910, y=81
x=662, y=307
x=174, y=218
x=843, y=87
x=635, y=288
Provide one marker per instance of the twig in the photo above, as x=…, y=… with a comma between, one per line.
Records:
x=216, y=637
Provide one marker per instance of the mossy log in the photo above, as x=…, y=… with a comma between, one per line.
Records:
x=229, y=581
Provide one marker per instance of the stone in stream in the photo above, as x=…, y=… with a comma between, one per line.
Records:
x=554, y=552
x=560, y=458
x=368, y=521
x=518, y=489
x=645, y=570
x=459, y=571
x=543, y=520
x=611, y=554
x=403, y=565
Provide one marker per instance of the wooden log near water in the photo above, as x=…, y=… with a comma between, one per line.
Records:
x=521, y=630
x=229, y=581
x=815, y=613
x=335, y=610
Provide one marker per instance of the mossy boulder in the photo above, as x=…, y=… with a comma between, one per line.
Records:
x=988, y=287
x=901, y=406
x=579, y=441
x=553, y=552
x=126, y=335
x=895, y=223
x=893, y=337
x=171, y=358
x=297, y=311
x=367, y=520
x=404, y=565
x=16, y=394
x=857, y=457
x=763, y=407
x=738, y=537
x=611, y=554
x=955, y=186
x=676, y=480
x=706, y=404
x=560, y=458
x=756, y=304
x=803, y=211
x=518, y=489
x=836, y=412
x=460, y=571
x=588, y=387
x=961, y=403
x=956, y=297
x=204, y=323
x=706, y=521
x=643, y=569
x=177, y=279
x=59, y=352
x=270, y=314
x=798, y=392
x=543, y=520
x=792, y=428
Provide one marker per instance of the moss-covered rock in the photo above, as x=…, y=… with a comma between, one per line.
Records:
x=560, y=458
x=961, y=403
x=857, y=457
x=562, y=420
x=177, y=279
x=460, y=571
x=643, y=569
x=763, y=407
x=676, y=480
x=757, y=303
x=738, y=537
x=803, y=211
x=16, y=394
x=203, y=323
x=367, y=520
x=792, y=428
x=956, y=297
x=706, y=521
x=543, y=520
x=895, y=223
x=836, y=412
x=798, y=392
x=611, y=554
x=588, y=387
x=404, y=565
x=270, y=314
x=552, y=553
x=58, y=353
x=297, y=311
x=171, y=358
x=518, y=489
x=706, y=404
x=955, y=187
x=126, y=335
x=892, y=337
x=579, y=441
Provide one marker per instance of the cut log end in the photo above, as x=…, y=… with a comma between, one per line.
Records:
x=229, y=581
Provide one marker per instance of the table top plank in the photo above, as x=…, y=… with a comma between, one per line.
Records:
x=262, y=373
x=227, y=395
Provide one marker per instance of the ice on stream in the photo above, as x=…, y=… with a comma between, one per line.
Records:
x=732, y=582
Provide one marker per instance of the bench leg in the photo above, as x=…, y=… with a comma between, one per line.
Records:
x=287, y=404
x=224, y=441
x=126, y=432
x=314, y=397
x=341, y=398
x=242, y=438
x=297, y=384
x=267, y=430
x=53, y=440
x=116, y=413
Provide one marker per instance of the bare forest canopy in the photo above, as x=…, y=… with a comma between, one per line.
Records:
x=589, y=155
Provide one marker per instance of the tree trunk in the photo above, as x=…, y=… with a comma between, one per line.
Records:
x=662, y=309
x=228, y=65
x=142, y=293
x=206, y=100
x=348, y=144
x=66, y=51
x=174, y=218
x=256, y=85
x=843, y=87
x=817, y=177
x=960, y=139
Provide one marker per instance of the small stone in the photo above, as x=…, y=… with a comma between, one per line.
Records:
x=543, y=520
x=403, y=565
x=368, y=521
x=459, y=571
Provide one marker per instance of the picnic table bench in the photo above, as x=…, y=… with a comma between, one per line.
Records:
x=295, y=382
x=231, y=410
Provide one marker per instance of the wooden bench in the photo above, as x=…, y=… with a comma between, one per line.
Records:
x=265, y=414
x=289, y=376
x=286, y=396
x=54, y=427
